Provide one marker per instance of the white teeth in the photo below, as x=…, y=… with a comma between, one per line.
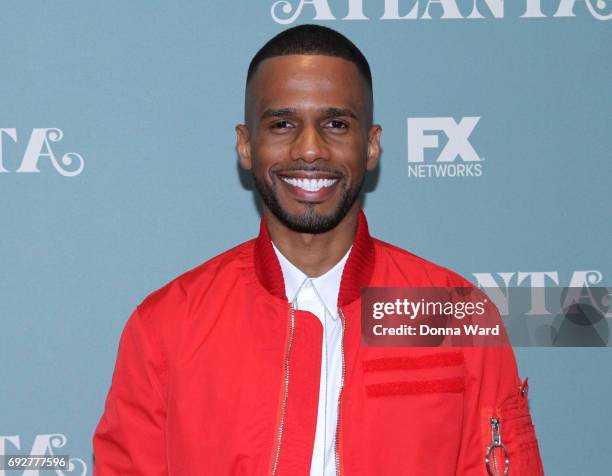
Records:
x=310, y=185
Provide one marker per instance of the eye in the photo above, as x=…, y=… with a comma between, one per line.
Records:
x=336, y=124
x=280, y=125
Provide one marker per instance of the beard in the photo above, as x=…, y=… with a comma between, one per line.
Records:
x=309, y=221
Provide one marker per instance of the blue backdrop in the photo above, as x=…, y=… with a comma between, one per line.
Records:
x=118, y=173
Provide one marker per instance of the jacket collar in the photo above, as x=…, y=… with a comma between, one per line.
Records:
x=356, y=274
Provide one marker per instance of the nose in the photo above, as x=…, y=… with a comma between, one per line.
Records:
x=308, y=145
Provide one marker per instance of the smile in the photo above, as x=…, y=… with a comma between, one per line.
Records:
x=310, y=185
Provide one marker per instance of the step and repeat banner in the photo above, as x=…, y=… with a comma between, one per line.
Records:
x=118, y=173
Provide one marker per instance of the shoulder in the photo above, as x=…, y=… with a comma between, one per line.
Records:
x=158, y=323
x=173, y=297
x=401, y=264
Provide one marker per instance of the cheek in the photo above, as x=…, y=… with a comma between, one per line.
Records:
x=355, y=158
x=266, y=156
x=353, y=144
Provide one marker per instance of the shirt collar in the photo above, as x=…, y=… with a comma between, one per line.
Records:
x=327, y=285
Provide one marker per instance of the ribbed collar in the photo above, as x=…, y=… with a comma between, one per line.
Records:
x=301, y=289
x=356, y=274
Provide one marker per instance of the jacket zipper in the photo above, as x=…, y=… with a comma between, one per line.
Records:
x=337, y=442
x=285, y=391
x=496, y=442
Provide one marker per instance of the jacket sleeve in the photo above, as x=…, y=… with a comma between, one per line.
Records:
x=495, y=391
x=130, y=436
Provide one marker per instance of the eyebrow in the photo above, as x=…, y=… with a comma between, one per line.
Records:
x=326, y=111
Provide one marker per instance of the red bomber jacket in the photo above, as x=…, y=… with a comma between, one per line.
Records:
x=215, y=375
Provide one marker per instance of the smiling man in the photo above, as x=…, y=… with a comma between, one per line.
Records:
x=253, y=363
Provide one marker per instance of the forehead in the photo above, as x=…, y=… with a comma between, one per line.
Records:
x=303, y=81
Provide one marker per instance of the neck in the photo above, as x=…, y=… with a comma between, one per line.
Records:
x=314, y=253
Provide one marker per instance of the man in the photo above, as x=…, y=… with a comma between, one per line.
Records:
x=252, y=363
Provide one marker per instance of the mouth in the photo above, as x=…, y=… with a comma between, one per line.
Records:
x=310, y=186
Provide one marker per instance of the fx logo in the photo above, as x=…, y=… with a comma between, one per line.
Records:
x=425, y=133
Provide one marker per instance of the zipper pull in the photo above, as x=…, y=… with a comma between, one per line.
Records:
x=496, y=442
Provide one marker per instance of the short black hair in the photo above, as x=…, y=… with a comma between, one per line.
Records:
x=310, y=39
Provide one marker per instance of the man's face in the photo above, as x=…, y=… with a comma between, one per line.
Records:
x=308, y=141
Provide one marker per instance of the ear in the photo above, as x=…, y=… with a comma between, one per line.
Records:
x=373, y=147
x=243, y=146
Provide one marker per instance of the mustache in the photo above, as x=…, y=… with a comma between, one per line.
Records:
x=309, y=168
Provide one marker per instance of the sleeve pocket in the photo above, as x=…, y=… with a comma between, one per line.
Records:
x=518, y=434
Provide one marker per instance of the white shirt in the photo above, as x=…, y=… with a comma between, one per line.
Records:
x=320, y=296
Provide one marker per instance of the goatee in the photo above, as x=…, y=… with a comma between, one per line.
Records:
x=309, y=221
